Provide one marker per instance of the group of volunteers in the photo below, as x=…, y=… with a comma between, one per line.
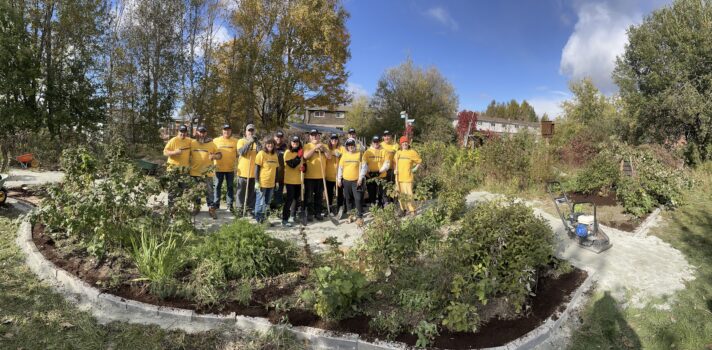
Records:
x=274, y=172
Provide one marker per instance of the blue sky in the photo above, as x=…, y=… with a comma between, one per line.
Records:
x=524, y=49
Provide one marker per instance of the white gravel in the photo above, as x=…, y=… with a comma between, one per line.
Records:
x=21, y=177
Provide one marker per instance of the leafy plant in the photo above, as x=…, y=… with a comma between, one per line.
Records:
x=426, y=333
x=600, y=173
x=207, y=283
x=388, y=324
x=158, y=260
x=461, y=317
x=338, y=291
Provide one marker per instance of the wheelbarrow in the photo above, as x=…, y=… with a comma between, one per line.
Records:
x=27, y=160
x=146, y=166
x=3, y=190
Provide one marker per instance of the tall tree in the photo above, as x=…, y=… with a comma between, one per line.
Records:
x=665, y=77
x=511, y=111
x=288, y=55
x=425, y=94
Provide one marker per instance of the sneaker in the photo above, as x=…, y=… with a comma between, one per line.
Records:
x=286, y=223
x=212, y=213
x=318, y=217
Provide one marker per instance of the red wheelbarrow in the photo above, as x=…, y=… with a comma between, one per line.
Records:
x=27, y=160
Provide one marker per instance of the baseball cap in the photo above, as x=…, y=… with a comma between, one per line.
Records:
x=376, y=138
x=350, y=141
x=314, y=132
x=202, y=129
x=250, y=126
x=226, y=126
x=295, y=138
x=183, y=128
x=386, y=133
x=280, y=134
x=334, y=136
x=352, y=130
x=403, y=139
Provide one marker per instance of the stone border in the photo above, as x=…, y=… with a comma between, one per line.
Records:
x=649, y=222
x=108, y=308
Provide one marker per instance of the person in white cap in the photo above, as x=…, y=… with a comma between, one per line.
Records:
x=247, y=148
x=351, y=177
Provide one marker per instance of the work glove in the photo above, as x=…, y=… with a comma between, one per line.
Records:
x=257, y=185
x=337, y=154
x=303, y=168
x=300, y=154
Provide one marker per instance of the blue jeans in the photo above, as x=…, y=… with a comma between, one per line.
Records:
x=229, y=177
x=264, y=196
x=207, y=182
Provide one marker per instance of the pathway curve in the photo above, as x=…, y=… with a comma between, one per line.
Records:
x=637, y=269
x=22, y=177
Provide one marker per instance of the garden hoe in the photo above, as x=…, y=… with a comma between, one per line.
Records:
x=326, y=193
x=579, y=226
x=303, y=211
x=247, y=186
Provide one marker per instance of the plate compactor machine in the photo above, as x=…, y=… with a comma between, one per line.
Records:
x=580, y=224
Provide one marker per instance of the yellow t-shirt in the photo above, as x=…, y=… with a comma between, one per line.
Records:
x=243, y=164
x=314, y=164
x=228, y=148
x=291, y=175
x=268, y=171
x=332, y=164
x=406, y=160
x=350, y=163
x=200, y=158
x=391, y=150
x=183, y=159
x=375, y=159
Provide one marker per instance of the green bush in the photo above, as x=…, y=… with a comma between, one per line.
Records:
x=339, y=291
x=446, y=166
x=245, y=251
x=461, y=317
x=497, y=251
x=601, y=172
x=158, y=259
x=506, y=159
x=207, y=283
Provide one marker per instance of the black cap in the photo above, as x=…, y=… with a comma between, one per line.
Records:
x=350, y=142
x=352, y=130
x=314, y=132
x=183, y=128
x=334, y=136
x=202, y=129
x=226, y=126
x=280, y=134
x=376, y=138
x=295, y=138
x=386, y=133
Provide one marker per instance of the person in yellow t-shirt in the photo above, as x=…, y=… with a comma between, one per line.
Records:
x=292, y=180
x=225, y=167
x=375, y=158
x=266, y=165
x=178, y=152
x=350, y=178
x=391, y=147
x=407, y=162
x=247, y=148
x=315, y=156
x=336, y=197
x=202, y=154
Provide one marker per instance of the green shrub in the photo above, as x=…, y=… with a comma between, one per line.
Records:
x=426, y=333
x=445, y=166
x=600, y=173
x=388, y=324
x=158, y=260
x=461, y=317
x=339, y=291
x=245, y=251
x=506, y=158
x=497, y=251
x=207, y=283
x=389, y=241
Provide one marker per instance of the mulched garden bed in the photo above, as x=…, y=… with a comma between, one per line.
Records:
x=552, y=296
x=609, y=201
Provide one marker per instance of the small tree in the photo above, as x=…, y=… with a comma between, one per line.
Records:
x=466, y=125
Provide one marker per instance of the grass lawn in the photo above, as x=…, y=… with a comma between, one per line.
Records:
x=688, y=322
x=32, y=316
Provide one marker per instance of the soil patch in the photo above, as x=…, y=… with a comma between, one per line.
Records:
x=610, y=212
x=27, y=194
x=551, y=296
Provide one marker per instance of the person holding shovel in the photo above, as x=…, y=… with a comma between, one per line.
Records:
x=178, y=152
x=334, y=193
x=202, y=154
x=266, y=165
x=350, y=178
x=390, y=147
x=292, y=180
x=407, y=162
x=247, y=148
x=315, y=156
x=378, y=164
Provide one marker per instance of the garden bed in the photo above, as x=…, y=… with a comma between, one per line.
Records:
x=610, y=212
x=551, y=297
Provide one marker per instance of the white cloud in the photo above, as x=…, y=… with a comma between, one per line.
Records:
x=443, y=16
x=221, y=35
x=551, y=105
x=598, y=38
x=356, y=90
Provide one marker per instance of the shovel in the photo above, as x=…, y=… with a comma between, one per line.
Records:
x=326, y=195
x=303, y=211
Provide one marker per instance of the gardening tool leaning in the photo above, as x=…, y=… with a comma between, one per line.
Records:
x=580, y=226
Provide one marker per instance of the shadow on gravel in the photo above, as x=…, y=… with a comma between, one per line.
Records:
x=607, y=328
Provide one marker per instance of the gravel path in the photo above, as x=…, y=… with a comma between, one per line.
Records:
x=21, y=177
x=637, y=269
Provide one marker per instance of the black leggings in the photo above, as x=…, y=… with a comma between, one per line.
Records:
x=313, y=196
x=291, y=202
x=352, y=192
x=375, y=192
x=330, y=187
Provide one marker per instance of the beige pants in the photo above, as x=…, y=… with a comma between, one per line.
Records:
x=406, y=190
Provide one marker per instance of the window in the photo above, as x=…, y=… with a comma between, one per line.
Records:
x=491, y=125
x=340, y=115
x=318, y=114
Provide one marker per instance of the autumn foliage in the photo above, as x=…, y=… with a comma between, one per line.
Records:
x=466, y=119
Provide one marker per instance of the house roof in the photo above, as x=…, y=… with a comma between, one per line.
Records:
x=341, y=108
x=507, y=121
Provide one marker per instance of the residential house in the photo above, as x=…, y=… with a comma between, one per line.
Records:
x=506, y=126
x=326, y=117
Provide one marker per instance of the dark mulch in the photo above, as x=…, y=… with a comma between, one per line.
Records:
x=551, y=296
